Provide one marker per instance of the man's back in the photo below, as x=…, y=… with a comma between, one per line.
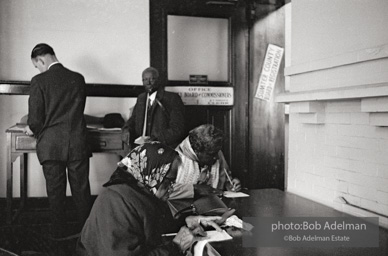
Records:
x=57, y=102
x=55, y=117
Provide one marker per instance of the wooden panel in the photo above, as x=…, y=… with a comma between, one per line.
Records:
x=217, y=116
x=24, y=142
x=221, y=118
x=159, y=9
x=240, y=74
x=102, y=142
x=195, y=116
x=14, y=88
x=102, y=90
x=266, y=119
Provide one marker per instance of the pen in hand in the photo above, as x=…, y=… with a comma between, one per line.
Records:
x=230, y=180
x=169, y=234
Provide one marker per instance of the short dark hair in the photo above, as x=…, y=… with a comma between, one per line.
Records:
x=41, y=49
x=206, y=138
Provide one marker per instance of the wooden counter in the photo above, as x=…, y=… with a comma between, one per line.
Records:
x=20, y=144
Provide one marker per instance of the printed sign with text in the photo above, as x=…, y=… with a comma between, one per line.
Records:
x=204, y=95
x=269, y=72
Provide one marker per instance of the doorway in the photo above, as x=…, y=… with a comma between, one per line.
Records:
x=254, y=128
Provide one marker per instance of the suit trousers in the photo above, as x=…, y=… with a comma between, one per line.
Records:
x=78, y=175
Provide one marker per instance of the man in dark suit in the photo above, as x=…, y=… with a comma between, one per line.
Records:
x=165, y=114
x=56, y=118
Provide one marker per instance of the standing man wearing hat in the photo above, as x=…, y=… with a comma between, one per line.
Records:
x=56, y=118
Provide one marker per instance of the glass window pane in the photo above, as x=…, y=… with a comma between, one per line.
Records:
x=197, y=46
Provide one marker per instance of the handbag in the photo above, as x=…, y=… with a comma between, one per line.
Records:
x=210, y=205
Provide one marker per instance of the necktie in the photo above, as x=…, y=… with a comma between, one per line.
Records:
x=146, y=114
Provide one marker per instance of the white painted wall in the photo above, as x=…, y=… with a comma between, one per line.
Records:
x=326, y=28
x=106, y=41
x=338, y=148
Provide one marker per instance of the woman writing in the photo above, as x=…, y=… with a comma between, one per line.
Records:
x=204, y=169
x=128, y=216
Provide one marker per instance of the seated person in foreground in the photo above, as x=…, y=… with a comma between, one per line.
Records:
x=204, y=169
x=127, y=217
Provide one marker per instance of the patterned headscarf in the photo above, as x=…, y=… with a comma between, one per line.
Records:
x=148, y=164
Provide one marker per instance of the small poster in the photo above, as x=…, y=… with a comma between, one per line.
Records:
x=204, y=95
x=269, y=72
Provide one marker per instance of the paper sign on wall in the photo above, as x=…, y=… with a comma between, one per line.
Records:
x=270, y=70
x=204, y=95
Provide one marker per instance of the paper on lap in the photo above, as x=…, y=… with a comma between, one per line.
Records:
x=212, y=236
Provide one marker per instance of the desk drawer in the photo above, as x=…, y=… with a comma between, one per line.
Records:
x=101, y=142
x=24, y=142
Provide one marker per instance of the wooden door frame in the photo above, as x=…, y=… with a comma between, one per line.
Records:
x=240, y=18
x=159, y=10
x=238, y=77
x=240, y=74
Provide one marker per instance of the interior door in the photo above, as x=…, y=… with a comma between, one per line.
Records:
x=163, y=11
x=255, y=129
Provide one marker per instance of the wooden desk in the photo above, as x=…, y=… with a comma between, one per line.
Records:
x=19, y=145
x=276, y=203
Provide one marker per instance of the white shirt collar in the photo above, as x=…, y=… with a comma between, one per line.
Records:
x=56, y=62
x=152, y=97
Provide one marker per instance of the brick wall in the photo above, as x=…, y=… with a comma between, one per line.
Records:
x=338, y=104
x=340, y=149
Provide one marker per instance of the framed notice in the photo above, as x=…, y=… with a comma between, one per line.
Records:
x=269, y=73
x=204, y=95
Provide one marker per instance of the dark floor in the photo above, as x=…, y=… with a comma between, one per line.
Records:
x=29, y=234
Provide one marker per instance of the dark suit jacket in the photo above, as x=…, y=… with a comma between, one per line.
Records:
x=56, y=107
x=165, y=121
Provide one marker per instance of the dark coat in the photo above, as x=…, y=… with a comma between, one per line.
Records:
x=166, y=120
x=125, y=221
x=56, y=115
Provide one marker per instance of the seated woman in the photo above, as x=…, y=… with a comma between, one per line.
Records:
x=204, y=169
x=127, y=217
